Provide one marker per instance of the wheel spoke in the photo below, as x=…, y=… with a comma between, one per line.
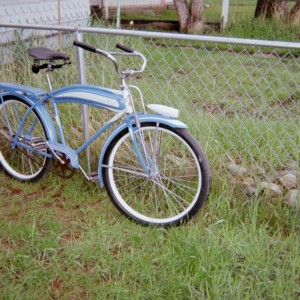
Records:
x=17, y=161
x=172, y=189
x=170, y=192
x=127, y=171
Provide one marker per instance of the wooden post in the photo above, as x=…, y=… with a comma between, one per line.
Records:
x=225, y=12
x=119, y=14
x=106, y=11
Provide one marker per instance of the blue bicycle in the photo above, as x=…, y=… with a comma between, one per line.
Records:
x=153, y=170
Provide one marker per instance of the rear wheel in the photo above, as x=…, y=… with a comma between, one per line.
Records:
x=20, y=162
x=177, y=185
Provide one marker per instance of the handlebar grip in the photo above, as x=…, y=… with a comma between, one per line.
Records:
x=124, y=48
x=84, y=46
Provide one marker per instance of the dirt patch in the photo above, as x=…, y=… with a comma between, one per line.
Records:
x=7, y=244
x=35, y=195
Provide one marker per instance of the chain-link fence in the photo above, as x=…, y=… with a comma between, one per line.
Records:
x=240, y=98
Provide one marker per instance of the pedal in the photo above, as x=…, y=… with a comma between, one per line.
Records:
x=93, y=176
x=37, y=143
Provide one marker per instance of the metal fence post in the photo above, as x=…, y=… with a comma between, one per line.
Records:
x=84, y=108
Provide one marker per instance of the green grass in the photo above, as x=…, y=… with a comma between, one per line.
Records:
x=263, y=29
x=238, y=10
x=65, y=240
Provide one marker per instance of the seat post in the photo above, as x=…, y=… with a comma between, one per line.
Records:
x=49, y=81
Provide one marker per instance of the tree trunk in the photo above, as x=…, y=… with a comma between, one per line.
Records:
x=271, y=9
x=197, y=22
x=278, y=10
x=190, y=16
x=294, y=14
x=183, y=13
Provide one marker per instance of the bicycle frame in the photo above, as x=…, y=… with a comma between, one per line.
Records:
x=114, y=100
x=117, y=101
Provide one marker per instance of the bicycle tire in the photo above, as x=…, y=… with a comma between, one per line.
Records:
x=21, y=163
x=174, y=193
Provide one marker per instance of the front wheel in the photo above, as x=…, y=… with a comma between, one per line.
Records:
x=177, y=182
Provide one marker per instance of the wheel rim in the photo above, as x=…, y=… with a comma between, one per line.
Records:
x=171, y=189
x=20, y=163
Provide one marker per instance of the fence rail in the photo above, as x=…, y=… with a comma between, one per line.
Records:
x=240, y=97
x=157, y=35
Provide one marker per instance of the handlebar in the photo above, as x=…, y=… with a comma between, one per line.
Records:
x=110, y=56
x=124, y=48
x=84, y=46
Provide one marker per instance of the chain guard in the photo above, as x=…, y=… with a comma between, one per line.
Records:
x=62, y=170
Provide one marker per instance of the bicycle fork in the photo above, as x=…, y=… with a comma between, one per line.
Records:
x=139, y=144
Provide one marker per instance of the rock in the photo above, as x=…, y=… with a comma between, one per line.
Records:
x=285, y=172
x=250, y=191
x=293, y=198
x=279, y=174
x=250, y=186
x=248, y=181
x=273, y=188
x=235, y=169
x=292, y=165
x=260, y=171
x=289, y=181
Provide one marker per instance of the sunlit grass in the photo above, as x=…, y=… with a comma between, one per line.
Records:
x=64, y=239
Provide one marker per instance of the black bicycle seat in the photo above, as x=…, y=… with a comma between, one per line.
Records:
x=47, y=54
